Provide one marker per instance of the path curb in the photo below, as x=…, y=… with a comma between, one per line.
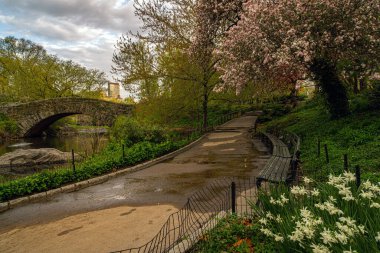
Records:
x=4, y=206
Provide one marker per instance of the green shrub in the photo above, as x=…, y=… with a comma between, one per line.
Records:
x=7, y=126
x=374, y=96
x=360, y=103
x=130, y=131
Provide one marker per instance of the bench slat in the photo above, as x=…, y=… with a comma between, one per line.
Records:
x=278, y=166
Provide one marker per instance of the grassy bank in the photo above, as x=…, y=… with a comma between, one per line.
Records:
x=357, y=135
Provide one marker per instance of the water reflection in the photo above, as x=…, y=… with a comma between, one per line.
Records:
x=82, y=144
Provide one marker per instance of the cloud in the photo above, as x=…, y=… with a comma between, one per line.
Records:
x=97, y=55
x=84, y=31
x=106, y=14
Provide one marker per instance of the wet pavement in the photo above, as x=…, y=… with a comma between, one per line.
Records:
x=227, y=152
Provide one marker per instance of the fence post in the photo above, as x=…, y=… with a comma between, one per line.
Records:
x=73, y=161
x=233, y=197
x=122, y=147
x=345, y=158
x=319, y=147
x=357, y=174
x=327, y=154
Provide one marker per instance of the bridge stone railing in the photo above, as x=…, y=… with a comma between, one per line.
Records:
x=34, y=117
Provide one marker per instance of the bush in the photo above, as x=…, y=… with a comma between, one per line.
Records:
x=7, y=126
x=374, y=96
x=129, y=131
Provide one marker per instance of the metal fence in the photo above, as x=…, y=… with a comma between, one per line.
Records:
x=200, y=214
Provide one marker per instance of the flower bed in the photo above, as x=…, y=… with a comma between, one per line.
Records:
x=323, y=217
x=333, y=216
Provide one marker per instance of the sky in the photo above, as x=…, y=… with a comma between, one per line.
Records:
x=84, y=31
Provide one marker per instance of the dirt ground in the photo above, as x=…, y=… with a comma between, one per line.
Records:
x=98, y=231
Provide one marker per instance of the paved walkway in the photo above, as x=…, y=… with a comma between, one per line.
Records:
x=128, y=211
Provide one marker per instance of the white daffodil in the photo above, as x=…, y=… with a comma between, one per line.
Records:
x=329, y=207
x=299, y=190
x=319, y=248
x=266, y=231
x=335, y=180
x=349, y=176
x=350, y=251
x=263, y=221
x=315, y=192
x=377, y=238
x=307, y=180
x=366, y=195
x=350, y=222
x=278, y=238
x=362, y=229
x=341, y=237
x=327, y=237
x=283, y=199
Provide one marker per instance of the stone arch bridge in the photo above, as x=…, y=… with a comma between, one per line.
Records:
x=35, y=117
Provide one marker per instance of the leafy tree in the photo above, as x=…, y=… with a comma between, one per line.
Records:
x=163, y=55
x=28, y=72
x=136, y=64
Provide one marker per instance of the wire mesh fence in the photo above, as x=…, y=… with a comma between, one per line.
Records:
x=201, y=213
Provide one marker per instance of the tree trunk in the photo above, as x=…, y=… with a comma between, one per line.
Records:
x=362, y=84
x=205, y=106
x=355, y=82
x=332, y=87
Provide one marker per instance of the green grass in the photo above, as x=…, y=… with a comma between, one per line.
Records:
x=357, y=135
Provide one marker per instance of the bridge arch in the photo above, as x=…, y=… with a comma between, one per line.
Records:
x=41, y=126
x=34, y=117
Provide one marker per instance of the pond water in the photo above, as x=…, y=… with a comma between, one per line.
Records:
x=82, y=144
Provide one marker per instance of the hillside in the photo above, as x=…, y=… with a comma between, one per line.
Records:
x=357, y=135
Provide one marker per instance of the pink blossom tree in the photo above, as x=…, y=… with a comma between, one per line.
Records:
x=212, y=19
x=277, y=39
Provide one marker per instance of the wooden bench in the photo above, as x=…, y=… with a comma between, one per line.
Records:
x=282, y=165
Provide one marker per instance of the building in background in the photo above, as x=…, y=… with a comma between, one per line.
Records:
x=113, y=90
